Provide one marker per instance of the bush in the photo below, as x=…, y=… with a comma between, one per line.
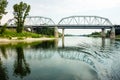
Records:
x=10, y=37
x=20, y=38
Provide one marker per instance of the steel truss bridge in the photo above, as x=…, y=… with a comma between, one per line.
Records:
x=33, y=21
x=72, y=22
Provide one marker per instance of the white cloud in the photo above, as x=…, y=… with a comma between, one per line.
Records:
x=84, y=5
x=68, y=7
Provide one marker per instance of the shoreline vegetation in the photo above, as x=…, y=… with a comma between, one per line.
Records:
x=94, y=34
x=12, y=36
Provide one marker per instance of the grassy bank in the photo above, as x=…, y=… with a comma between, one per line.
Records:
x=12, y=33
x=117, y=36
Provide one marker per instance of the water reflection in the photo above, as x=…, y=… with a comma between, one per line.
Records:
x=49, y=60
x=3, y=69
x=21, y=67
x=63, y=40
x=3, y=51
x=46, y=44
x=103, y=42
x=3, y=72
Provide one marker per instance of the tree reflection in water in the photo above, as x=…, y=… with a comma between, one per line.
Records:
x=3, y=71
x=21, y=67
x=3, y=51
x=45, y=45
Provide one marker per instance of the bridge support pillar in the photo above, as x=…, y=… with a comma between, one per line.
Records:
x=63, y=32
x=112, y=33
x=56, y=32
x=103, y=33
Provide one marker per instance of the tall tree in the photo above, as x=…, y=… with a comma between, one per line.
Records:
x=21, y=10
x=3, y=5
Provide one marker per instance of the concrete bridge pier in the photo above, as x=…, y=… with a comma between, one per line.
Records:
x=56, y=32
x=63, y=32
x=103, y=33
x=112, y=33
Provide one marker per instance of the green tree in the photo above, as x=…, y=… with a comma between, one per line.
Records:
x=3, y=5
x=3, y=28
x=21, y=10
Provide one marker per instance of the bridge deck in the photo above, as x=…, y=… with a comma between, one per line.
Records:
x=69, y=26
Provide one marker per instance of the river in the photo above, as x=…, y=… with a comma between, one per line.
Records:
x=70, y=58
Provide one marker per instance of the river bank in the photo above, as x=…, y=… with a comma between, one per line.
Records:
x=27, y=40
x=11, y=36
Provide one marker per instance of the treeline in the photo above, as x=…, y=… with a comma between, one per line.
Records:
x=45, y=31
x=98, y=34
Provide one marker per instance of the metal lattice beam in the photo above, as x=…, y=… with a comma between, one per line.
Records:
x=34, y=21
x=85, y=20
x=72, y=22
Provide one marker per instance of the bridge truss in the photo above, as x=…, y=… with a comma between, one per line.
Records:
x=71, y=22
x=33, y=21
x=85, y=20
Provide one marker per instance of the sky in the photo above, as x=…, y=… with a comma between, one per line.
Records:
x=58, y=9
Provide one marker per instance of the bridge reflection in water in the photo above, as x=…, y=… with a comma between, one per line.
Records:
x=43, y=57
x=63, y=56
x=70, y=52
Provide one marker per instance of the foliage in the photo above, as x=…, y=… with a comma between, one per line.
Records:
x=46, y=31
x=12, y=33
x=3, y=28
x=21, y=10
x=108, y=33
x=20, y=38
x=3, y=5
x=96, y=33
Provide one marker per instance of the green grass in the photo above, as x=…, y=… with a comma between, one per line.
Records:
x=12, y=33
x=118, y=36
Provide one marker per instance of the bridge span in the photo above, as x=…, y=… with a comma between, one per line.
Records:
x=71, y=22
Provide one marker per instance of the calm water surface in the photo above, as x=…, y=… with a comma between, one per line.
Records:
x=71, y=58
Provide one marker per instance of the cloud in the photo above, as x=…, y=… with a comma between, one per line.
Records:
x=84, y=5
x=66, y=7
x=61, y=8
